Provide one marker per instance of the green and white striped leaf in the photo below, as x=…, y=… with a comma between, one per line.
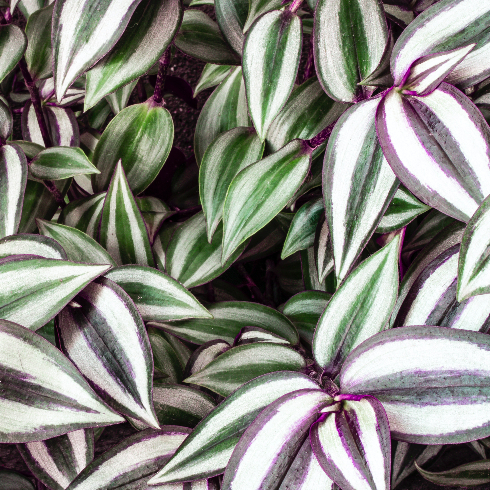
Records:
x=231, y=16
x=13, y=181
x=84, y=214
x=269, y=446
x=28, y=7
x=207, y=450
x=229, y=317
x=260, y=191
x=360, y=308
x=227, y=155
x=309, y=271
x=154, y=212
x=10, y=480
x=271, y=56
x=151, y=29
x=13, y=43
x=211, y=76
x=43, y=395
x=6, y=120
x=57, y=461
x=250, y=335
x=103, y=334
x=358, y=184
x=439, y=147
x=23, y=243
x=161, y=242
x=199, y=36
x=157, y=296
x=243, y=363
x=78, y=245
x=36, y=289
x=436, y=395
x=323, y=251
x=122, y=229
x=83, y=32
x=466, y=475
x=349, y=39
x=30, y=149
x=191, y=259
x=141, y=137
x=258, y=8
x=204, y=355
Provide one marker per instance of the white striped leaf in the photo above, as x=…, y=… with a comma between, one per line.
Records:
x=43, y=394
x=78, y=245
x=469, y=474
x=83, y=32
x=309, y=271
x=141, y=137
x=225, y=109
x=57, y=461
x=10, y=480
x=119, y=99
x=59, y=163
x=360, y=308
x=35, y=289
x=353, y=445
x=103, y=334
x=227, y=155
x=30, y=149
x=199, y=36
x=13, y=181
x=231, y=16
x=447, y=25
x=271, y=56
x=439, y=147
x=6, y=120
x=250, y=335
x=157, y=296
x=23, y=243
x=161, y=242
x=13, y=43
x=349, y=39
x=229, y=317
x=269, y=445
x=323, y=251
x=358, y=184
x=151, y=29
x=211, y=76
x=84, y=214
x=205, y=354
x=243, y=363
x=122, y=229
x=207, y=450
x=436, y=395
x=154, y=212
x=257, y=8
x=260, y=191
x=28, y=7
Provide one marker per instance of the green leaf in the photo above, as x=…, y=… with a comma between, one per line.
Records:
x=161, y=242
x=6, y=121
x=271, y=56
x=40, y=245
x=260, y=191
x=199, y=36
x=323, y=251
x=10, y=480
x=211, y=76
x=154, y=212
x=309, y=271
x=151, y=29
x=240, y=364
x=231, y=16
x=467, y=475
x=13, y=43
x=141, y=137
x=229, y=318
x=250, y=335
x=227, y=155
x=360, y=308
x=119, y=99
x=191, y=259
x=83, y=32
x=44, y=395
x=122, y=229
x=258, y=8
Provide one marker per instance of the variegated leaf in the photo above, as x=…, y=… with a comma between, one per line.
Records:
x=204, y=355
x=13, y=44
x=251, y=335
x=231, y=16
x=119, y=99
x=257, y=8
x=323, y=251
x=469, y=474
x=211, y=76
x=161, y=242
x=154, y=212
x=309, y=271
x=6, y=120
x=23, y=243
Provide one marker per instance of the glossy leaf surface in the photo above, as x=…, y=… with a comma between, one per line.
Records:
x=13, y=44
x=24, y=243
x=84, y=214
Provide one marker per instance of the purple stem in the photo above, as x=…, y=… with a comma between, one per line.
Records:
x=162, y=73
x=253, y=288
x=321, y=137
x=309, y=68
x=295, y=6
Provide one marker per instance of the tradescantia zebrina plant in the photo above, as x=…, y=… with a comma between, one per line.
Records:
x=300, y=300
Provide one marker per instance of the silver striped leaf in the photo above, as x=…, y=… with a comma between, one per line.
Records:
x=6, y=120
x=30, y=149
x=150, y=131
x=11, y=480
x=154, y=212
x=157, y=296
x=260, y=191
x=43, y=395
x=152, y=27
x=236, y=366
x=436, y=395
x=13, y=181
x=349, y=39
x=251, y=335
x=211, y=76
x=353, y=445
x=309, y=271
x=103, y=334
x=231, y=16
x=57, y=461
x=27, y=244
x=439, y=147
x=323, y=251
x=28, y=7
x=84, y=214
x=444, y=26
x=207, y=450
x=360, y=308
x=13, y=44
x=83, y=32
x=270, y=444
x=469, y=474
x=204, y=355
x=36, y=289
x=122, y=230
x=271, y=56
x=161, y=242
x=78, y=245
x=229, y=317
x=227, y=155
x=358, y=184
x=257, y=8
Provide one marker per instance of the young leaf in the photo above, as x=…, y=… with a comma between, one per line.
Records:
x=469, y=474
x=231, y=16
x=260, y=191
x=271, y=56
x=25, y=244
x=211, y=76
x=13, y=44
x=103, y=334
x=359, y=308
x=44, y=395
